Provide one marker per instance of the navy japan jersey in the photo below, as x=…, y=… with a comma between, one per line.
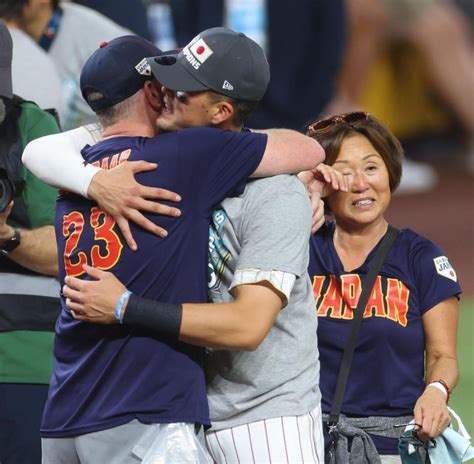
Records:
x=105, y=376
x=387, y=371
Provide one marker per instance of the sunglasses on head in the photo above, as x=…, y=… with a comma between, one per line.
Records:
x=348, y=118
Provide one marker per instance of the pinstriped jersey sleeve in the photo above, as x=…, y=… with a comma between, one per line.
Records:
x=281, y=281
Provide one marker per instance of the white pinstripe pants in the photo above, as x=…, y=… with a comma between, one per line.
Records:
x=285, y=440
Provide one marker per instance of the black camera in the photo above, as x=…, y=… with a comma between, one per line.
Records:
x=8, y=189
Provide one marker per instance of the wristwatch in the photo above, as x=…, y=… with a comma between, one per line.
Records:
x=11, y=243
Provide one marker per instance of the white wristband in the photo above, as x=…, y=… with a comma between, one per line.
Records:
x=439, y=386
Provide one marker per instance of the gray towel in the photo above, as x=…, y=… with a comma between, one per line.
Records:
x=363, y=450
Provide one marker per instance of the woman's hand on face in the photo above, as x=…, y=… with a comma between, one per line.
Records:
x=324, y=180
x=431, y=413
x=330, y=179
x=94, y=300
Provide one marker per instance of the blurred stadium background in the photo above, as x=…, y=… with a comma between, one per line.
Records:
x=398, y=87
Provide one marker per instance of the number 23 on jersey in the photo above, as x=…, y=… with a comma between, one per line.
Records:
x=102, y=225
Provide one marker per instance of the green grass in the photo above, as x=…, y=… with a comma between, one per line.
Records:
x=462, y=400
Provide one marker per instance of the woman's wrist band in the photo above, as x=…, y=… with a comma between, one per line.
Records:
x=121, y=302
x=442, y=386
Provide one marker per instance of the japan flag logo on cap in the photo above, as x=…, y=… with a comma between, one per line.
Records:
x=200, y=50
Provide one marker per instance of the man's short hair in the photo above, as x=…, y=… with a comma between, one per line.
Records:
x=242, y=109
x=112, y=114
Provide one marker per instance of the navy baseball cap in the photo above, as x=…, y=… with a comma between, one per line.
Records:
x=116, y=70
x=217, y=59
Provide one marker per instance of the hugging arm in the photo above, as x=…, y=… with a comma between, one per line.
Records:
x=57, y=161
x=266, y=271
x=234, y=325
x=288, y=152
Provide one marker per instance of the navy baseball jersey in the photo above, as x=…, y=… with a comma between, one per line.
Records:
x=105, y=376
x=387, y=372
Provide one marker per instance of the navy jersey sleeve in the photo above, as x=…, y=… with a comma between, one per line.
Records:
x=219, y=162
x=435, y=278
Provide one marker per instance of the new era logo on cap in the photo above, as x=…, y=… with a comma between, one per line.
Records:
x=227, y=86
x=200, y=50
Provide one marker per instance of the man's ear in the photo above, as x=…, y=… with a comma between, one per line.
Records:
x=153, y=94
x=223, y=111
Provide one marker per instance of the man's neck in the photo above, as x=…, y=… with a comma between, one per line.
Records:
x=11, y=23
x=129, y=129
x=227, y=125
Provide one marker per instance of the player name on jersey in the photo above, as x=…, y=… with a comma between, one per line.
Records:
x=110, y=162
x=389, y=301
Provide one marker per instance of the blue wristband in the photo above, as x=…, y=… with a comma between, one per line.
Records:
x=121, y=301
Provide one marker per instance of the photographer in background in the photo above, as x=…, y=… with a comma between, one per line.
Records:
x=29, y=303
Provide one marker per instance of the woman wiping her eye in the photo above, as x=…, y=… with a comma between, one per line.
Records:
x=412, y=311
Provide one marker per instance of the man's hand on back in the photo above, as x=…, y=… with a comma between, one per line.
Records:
x=118, y=194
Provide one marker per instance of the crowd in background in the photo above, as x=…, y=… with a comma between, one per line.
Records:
x=410, y=63
x=407, y=62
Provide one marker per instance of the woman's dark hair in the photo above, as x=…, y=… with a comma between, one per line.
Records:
x=331, y=132
x=12, y=9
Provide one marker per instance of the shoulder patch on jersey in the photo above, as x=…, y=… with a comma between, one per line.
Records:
x=444, y=268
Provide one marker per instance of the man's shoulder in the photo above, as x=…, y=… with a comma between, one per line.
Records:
x=215, y=132
x=191, y=132
x=282, y=194
x=213, y=144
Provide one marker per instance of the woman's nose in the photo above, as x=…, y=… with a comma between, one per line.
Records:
x=359, y=182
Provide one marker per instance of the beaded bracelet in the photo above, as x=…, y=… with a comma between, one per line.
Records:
x=121, y=301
